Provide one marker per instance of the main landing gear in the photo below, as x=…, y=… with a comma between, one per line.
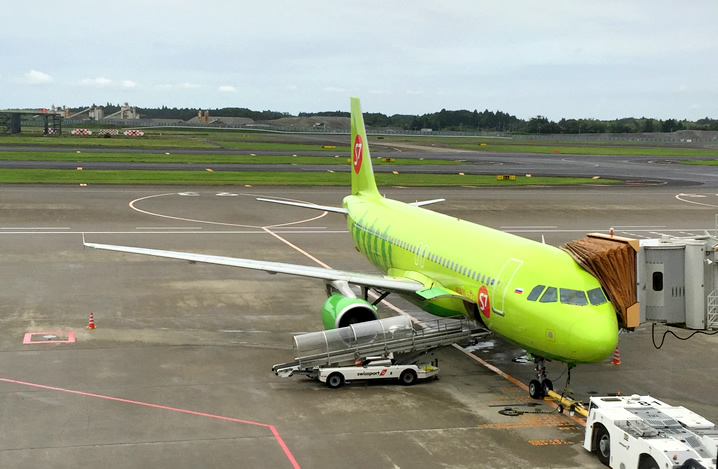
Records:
x=540, y=386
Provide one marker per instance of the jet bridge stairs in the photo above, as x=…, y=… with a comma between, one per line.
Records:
x=395, y=338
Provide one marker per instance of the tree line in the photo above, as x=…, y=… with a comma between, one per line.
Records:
x=461, y=120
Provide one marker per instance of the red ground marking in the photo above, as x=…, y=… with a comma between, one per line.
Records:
x=70, y=337
x=174, y=409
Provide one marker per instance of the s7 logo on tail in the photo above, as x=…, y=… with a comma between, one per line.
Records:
x=358, y=153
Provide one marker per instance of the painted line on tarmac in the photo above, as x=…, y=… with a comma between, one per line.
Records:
x=528, y=227
x=272, y=428
x=683, y=198
x=133, y=206
x=166, y=232
x=35, y=228
x=296, y=248
x=168, y=227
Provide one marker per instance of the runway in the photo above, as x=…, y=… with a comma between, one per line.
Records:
x=177, y=373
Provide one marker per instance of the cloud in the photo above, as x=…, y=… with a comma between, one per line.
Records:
x=103, y=82
x=33, y=77
x=227, y=89
x=99, y=82
x=178, y=86
x=334, y=89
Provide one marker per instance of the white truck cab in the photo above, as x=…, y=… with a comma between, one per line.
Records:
x=641, y=432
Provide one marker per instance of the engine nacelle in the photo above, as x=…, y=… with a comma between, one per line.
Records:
x=340, y=311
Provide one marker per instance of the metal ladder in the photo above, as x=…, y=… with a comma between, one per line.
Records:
x=712, y=320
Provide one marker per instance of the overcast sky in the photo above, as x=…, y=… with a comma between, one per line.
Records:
x=590, y=59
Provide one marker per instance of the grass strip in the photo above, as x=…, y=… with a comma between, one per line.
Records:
x=114, y=142
x=60, y=176
x=272, y=146
x=200, y=158
x=700, y=162
x=590, y=150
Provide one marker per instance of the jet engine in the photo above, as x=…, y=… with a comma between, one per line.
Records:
x=341, y=311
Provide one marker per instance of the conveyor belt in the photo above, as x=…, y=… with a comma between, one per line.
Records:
x=374, y=338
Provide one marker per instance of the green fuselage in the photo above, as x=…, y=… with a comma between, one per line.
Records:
x=491, y=274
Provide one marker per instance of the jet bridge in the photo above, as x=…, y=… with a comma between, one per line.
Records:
x=395, y=336
x=677, y=281
x=669, y=280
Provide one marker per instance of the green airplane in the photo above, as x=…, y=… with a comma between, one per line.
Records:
x=532, y=294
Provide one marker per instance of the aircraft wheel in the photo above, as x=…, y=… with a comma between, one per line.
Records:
x=535, y=389
x=407, y=377
x=603, y=445
x=335, y=380
x=547, y=386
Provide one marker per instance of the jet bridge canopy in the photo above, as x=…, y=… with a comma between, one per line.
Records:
x=671, y=280
x=612, y=260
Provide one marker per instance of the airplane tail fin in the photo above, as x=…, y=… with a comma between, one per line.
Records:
x=363, y=182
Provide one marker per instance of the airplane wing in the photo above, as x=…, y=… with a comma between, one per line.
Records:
x=386, y=283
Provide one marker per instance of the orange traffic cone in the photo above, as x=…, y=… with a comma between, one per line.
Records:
x=616, y=358
x=91, y=325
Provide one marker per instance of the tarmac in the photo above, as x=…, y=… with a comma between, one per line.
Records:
x=178, y=371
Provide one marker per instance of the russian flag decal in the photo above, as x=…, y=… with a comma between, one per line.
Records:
x=519, y=291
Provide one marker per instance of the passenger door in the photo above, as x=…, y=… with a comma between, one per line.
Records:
x=501, y=285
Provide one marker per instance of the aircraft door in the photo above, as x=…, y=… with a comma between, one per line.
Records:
x=665, y=285
x=501, y=285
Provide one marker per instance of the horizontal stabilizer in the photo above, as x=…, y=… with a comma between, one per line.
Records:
x=426, y=202
x=326, y=208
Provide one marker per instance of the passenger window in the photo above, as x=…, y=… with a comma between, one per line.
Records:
x=549, y=296
x=573, y=297
x=533, y=296
x=597, y=297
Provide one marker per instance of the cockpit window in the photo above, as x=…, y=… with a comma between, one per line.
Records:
x=573, y=297
x=533, y=296
x=597, y=296
x=549, y=296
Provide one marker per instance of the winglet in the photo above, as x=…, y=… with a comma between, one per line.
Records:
x=363, y=182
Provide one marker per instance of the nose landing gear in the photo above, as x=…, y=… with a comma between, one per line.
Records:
x=541, y=385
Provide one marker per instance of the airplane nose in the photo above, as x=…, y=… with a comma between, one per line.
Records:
x=596, y=337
